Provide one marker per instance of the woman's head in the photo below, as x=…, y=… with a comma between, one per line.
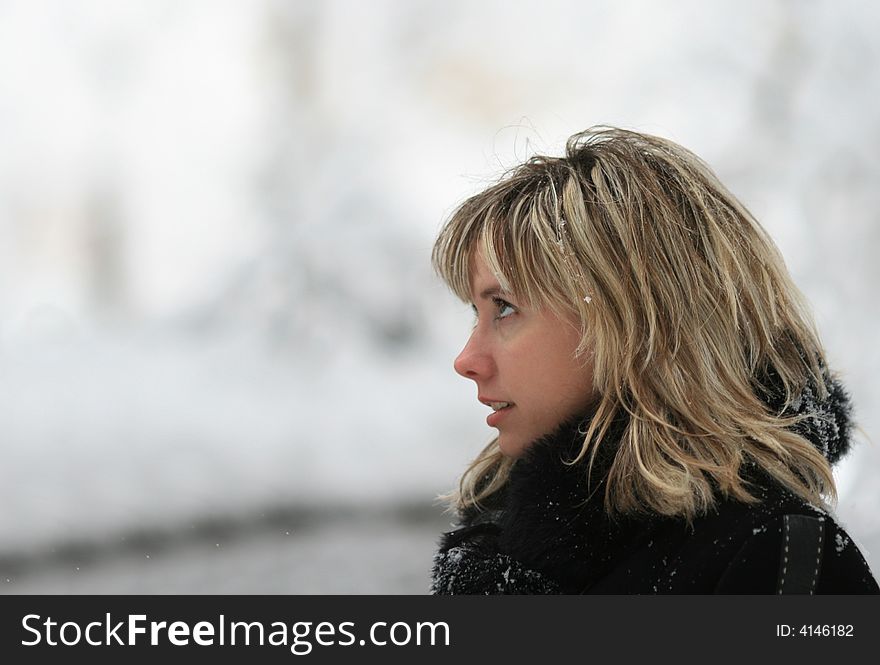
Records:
x=680, y=302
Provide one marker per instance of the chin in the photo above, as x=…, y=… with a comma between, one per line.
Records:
x=511, y=446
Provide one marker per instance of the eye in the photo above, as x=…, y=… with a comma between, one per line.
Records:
x=503, y=308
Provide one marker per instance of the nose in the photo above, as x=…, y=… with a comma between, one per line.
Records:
x=474, y=362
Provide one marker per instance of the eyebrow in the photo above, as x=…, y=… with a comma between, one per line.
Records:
x=485, y=294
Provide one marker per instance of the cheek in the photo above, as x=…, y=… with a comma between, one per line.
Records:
x=565, y=379
x=527, y=364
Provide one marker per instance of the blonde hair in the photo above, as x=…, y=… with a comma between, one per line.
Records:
x=685, y=303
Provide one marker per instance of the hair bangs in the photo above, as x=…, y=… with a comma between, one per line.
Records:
x=518, y=228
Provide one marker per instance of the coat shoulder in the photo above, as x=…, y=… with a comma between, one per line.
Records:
x=781, y=545
x=798, y=553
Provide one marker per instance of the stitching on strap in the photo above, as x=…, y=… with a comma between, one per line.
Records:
x=818, y=556
x=785, y=544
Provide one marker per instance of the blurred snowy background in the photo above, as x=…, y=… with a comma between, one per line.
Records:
x=225, y=364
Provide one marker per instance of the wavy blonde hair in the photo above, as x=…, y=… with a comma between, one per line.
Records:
x=684, y=301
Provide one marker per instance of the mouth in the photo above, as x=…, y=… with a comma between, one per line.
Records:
x=495, y=405
x=499, y=411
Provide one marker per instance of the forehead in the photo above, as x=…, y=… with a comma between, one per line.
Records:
x=481, y=276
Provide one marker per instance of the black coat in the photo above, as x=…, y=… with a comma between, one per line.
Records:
x=547, y=532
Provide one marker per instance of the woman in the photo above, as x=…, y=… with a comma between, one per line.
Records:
x=666, y=419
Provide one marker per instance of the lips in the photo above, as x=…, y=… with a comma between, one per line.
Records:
x=500, y=409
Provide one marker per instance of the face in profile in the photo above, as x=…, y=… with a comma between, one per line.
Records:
x=523, y=362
